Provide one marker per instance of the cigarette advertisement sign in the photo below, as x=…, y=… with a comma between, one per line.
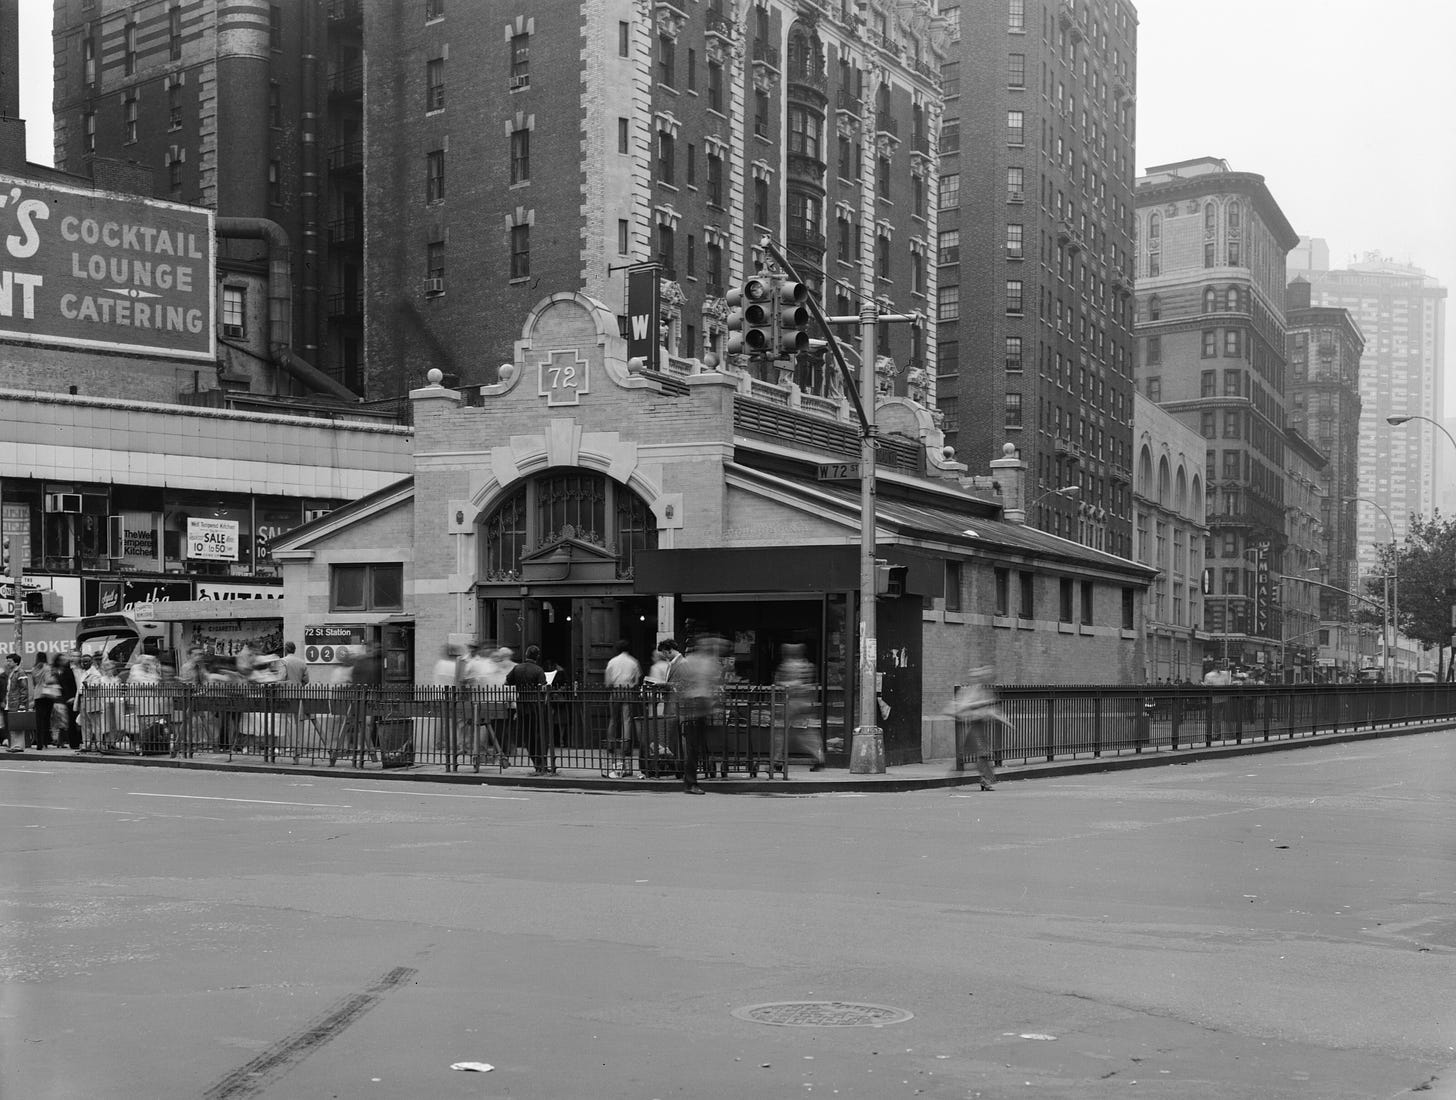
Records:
x=212, y=539
x=86, y=268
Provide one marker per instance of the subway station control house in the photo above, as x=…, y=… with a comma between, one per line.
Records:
x=582, y=499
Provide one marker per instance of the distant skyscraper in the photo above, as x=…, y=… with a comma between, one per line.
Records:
x=1401, y=310
x=1211, y=245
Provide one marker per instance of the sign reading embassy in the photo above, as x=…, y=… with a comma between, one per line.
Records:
x=90, y=268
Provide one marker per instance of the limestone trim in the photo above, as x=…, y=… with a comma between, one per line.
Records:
x=565, y=443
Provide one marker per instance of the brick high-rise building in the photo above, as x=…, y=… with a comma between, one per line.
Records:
x=1210, y=305
x=1325, y=346
x=520, y=149
x=1036, y=253
x=251, y=109
x=1401, y=310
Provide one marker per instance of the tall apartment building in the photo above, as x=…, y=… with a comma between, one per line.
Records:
x=1211, y=245
x=251, y=109
x=519, y=149
x=1324, y=350
x=1401, y=310
x=1036, y=251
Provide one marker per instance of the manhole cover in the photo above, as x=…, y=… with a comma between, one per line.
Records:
x=822, y=1014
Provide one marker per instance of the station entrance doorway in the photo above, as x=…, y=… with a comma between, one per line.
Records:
x=575, y=631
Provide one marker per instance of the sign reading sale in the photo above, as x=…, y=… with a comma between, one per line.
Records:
x=212, y=539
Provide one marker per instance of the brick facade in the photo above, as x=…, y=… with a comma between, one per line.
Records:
x=675, y=444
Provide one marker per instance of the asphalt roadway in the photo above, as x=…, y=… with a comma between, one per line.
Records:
x=1258, y=927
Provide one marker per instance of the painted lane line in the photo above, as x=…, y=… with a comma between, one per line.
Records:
x=434, y=794
x=27, y=771
x=134, y=814
x=67, y=809
x=251, y=801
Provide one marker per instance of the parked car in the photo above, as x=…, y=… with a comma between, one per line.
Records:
x=1426, y=676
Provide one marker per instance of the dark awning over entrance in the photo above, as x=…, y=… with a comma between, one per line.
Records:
x=776, y=569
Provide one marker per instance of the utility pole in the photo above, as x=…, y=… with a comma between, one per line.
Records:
x=867, y=745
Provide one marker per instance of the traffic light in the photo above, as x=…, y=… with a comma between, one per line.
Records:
x=43, y=603
x=750, y=318
x=791, y=334
x=889, y=579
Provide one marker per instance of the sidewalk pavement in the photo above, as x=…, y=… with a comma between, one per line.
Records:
x=930, y=775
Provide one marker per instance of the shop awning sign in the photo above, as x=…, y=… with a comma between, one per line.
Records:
x=212, y=539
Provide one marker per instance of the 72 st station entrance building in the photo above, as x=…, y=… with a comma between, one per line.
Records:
x=582, y=500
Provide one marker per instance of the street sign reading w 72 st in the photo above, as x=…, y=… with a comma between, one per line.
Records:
x=839, y=471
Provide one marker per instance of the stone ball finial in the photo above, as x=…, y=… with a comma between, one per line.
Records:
x=710, y=360
x=507, y=372
x=434, y=376
x=1009, y=450
x=948, y=453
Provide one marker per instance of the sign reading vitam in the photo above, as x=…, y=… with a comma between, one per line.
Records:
x=83, y=268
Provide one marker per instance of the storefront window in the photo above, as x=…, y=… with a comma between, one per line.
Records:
x=208, y=534
x=274, y=517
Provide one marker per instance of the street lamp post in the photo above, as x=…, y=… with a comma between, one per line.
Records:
x=1391, y=590
x=1342, y=591
x=1397, y=421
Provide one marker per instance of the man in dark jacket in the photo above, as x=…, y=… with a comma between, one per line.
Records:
x=529, y=680
x=66, y=677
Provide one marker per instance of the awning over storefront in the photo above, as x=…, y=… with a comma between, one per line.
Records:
x=804, y=569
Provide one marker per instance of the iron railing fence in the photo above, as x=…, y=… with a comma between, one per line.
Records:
x=632, y=732
x=1047, y=723
x=598, y=728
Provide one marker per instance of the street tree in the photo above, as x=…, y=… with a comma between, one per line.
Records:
x=1426, y=565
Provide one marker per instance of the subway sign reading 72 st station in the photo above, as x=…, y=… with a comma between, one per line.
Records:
x=85, y=268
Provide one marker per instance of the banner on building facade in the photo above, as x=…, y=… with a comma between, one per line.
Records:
x=90, y=268
x=644, y=314
x=124, y=597
x=223, y=590
x=332, y=645
x=1263, y=591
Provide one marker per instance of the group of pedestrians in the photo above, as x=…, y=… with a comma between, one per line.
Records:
x=59, y=701
x=507, y=704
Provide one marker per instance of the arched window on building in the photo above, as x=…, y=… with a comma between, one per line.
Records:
x=1232, y=299
x=1233, y=214
x=1155, y=308
x=1155, y=226
x=1210, y=217
x=1210, y=300
x=565, y=504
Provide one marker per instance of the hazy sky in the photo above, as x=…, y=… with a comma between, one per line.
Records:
x=1346, y=107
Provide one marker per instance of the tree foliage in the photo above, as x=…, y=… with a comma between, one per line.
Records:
x=1426, y=564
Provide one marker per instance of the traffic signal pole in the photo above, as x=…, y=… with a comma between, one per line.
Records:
x=867, y=746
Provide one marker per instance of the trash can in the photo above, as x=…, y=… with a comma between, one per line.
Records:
x=396, y=742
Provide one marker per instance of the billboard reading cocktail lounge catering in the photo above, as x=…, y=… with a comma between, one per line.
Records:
x=88, y=268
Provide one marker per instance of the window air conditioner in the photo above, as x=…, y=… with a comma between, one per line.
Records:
x=235, y=331
x=63, y=502
x=435, y=285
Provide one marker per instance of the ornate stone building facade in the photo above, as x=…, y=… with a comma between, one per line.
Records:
x=519, y=149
